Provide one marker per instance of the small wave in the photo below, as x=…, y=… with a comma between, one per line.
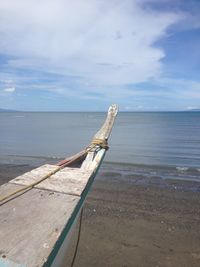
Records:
x=153, y=172
x=18, y=116
x=140, y=165
x=182, y=169
x=34, y=156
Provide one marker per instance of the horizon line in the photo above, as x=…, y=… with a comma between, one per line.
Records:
x=100, y=111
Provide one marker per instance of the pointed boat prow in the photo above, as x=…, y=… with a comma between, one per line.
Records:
x=106, y=129
x=39, y=208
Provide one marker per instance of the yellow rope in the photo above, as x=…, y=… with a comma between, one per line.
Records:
x=100, y=142
x=30, y=185
x=95, y=142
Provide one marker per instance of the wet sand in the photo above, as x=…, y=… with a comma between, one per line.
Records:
x=129, y=224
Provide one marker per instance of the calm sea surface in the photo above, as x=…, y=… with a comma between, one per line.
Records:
x=165, y=144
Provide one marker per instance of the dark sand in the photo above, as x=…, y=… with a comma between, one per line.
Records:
x=129, y=224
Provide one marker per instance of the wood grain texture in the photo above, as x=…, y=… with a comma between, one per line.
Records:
x=68, y=180
x=32, y=223
x=34, y=175
x=106, y=129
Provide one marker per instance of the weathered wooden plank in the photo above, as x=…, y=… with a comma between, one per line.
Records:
x=36, y=224
x=106, y=129
x=32, y=223
x=8, y=263
x=103, y=134
x=34, y=175
x=6, y=190
x=91, y=162
x=68, y=180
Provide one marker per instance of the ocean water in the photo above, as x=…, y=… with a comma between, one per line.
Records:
x=157, y=144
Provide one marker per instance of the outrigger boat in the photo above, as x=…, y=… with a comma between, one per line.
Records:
x=39, y=208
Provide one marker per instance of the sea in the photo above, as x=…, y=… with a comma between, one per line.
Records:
x=148, y=145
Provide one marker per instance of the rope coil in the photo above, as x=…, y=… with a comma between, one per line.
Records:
x=103, y=143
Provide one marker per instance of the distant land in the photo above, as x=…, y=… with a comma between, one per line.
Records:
x=7, y=110
x=123, y=111
x=194, y=109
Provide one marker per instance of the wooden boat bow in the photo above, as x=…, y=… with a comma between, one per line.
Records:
x=36, y=221
x=105, y=131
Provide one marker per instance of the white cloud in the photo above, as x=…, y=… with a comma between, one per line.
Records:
x=107, y=43
x=9, y=90
x=191, y=107
x=180, y=88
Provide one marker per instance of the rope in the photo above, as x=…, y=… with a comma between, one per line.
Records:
x=31, y=185
x=78, y=239
x=100, y=142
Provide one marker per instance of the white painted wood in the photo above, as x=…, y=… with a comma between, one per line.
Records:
x=68, y=180
x=86, y=165
x=34, y=175
x=5, y=189
x=106, y=129
x=60, y=259
x=32, y=223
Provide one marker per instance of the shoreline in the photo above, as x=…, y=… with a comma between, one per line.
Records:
x=124, y=170
x=128, y=222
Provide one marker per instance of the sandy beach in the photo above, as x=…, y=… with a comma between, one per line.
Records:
x=129, y=224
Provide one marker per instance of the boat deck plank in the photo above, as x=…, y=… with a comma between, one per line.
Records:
x=68, y=180
x=35, y=224
x=34, y=175
x=31, y=224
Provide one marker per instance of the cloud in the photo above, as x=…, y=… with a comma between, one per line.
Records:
x=108, y=43
x=6, y=86
x=180, y=88
x=9, y=90
x=192, y=107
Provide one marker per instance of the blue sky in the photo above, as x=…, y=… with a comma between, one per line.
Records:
x=86, y=54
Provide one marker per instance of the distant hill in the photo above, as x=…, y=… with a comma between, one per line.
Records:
x=195, y=109
x=7, y=110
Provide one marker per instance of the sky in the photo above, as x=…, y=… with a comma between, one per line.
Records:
x=84, y=55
